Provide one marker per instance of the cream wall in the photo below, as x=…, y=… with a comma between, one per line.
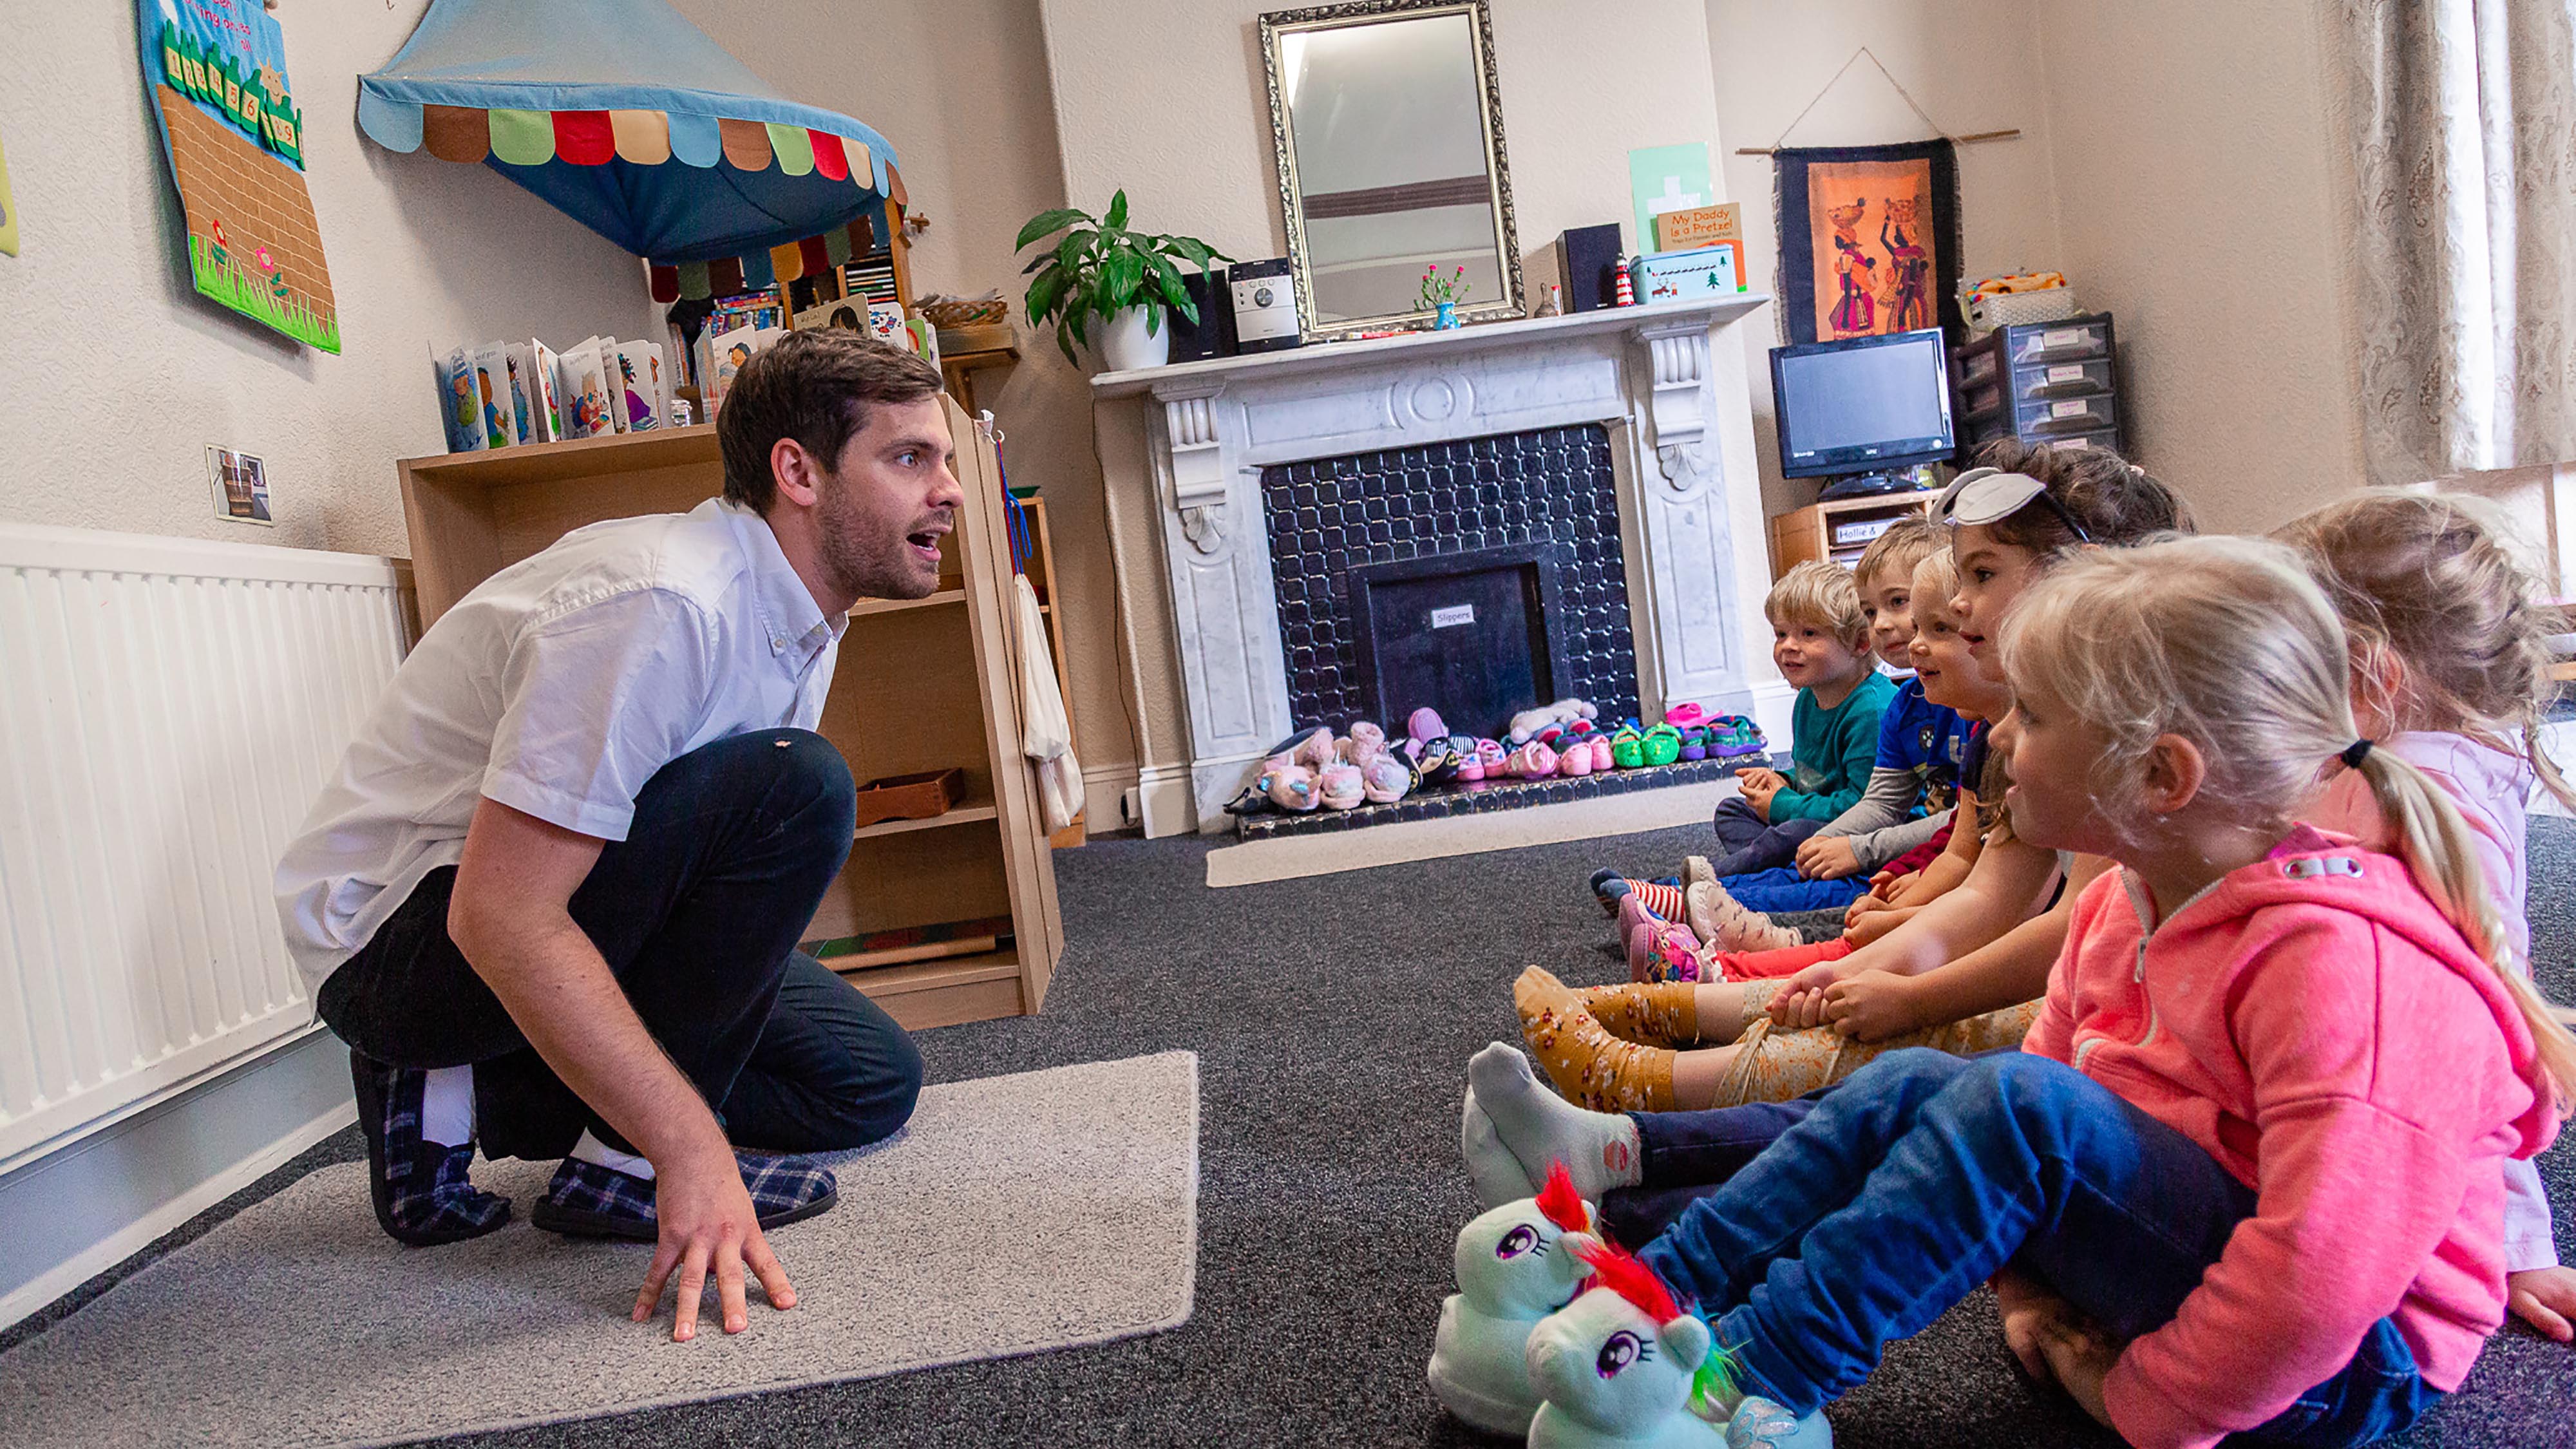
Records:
x=1971, y=64
x=1189, y=141
x=118, y=376
x=961, y=88
x=2201, y=192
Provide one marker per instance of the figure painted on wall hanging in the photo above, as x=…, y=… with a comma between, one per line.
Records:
x=1854, y=315
x=1830, y=287
x=1909, y=266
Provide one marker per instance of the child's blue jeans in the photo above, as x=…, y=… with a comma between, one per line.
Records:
x=1980, y=1161
x=1783, y=889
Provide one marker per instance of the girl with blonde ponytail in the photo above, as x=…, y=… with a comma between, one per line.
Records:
x=2447, y=638
x=2246, y=1168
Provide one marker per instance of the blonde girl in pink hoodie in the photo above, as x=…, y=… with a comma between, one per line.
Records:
x=2449, y=659
x=2246, y=1173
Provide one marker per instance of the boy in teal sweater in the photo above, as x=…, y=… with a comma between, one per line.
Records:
x=1820, y=640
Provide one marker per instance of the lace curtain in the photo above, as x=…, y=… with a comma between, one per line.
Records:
x=2463, y=123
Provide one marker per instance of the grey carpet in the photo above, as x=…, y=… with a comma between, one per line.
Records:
x=1016, y=1214
x=1333, y=1017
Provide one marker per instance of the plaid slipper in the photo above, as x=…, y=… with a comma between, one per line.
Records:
x=587, y=1200
x=420, y=1189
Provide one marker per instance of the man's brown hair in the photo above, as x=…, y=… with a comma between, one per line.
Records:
x=813, y=386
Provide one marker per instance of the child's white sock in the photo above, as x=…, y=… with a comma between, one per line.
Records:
x=1599, y=1149
x=447, y=1106
x=1498, y=1175
x=599, y=1154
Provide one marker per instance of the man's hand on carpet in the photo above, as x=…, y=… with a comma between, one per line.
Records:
x=2545, y=1298
x=708, y=1222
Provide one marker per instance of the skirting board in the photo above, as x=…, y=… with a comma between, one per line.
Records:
x=107, y=1176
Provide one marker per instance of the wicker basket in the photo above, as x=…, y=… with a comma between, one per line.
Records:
x=965, y=311
x=2008, y=309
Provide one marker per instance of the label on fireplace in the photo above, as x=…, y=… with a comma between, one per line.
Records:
x=1453, y=616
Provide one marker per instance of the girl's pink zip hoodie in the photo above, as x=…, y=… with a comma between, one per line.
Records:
x=2320, y=1028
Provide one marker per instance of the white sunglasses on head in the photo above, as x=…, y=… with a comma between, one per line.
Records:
x=1986, y=495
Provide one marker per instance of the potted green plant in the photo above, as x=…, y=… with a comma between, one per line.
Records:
x=1100, y=272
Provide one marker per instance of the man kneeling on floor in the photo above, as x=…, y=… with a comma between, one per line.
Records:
x=552, y=896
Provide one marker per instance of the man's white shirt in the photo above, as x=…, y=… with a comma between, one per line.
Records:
x=557, y=687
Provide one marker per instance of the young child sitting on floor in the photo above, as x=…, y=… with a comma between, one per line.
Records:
x=2450, y=673
x=2246, y=1173
x=1949, y=681
x=1821, y=642
x=1964, y=973
x=1914, y=773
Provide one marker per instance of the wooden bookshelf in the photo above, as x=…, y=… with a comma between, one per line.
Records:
x=920, y=684
x=1808, y=533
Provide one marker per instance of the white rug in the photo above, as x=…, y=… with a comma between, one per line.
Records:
x=1288, y=857
x=1015, y=1214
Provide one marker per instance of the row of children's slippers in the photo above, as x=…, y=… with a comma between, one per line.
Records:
x=1318, y=770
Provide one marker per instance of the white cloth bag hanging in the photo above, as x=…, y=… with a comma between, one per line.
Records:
x=1045, y=732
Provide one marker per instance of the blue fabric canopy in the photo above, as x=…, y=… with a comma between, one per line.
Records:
x=633, y=122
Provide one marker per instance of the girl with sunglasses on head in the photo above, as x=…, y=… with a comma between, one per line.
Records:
x=1980, y=950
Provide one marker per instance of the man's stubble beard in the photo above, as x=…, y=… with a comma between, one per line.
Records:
x=860, y=564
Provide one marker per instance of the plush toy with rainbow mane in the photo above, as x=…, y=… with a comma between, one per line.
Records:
x=1625, y=1366
x=1516, y=1265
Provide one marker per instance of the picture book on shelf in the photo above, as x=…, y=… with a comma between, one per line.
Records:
x=533, y=363
x=636, y=396
x=458, y=416
x=585, y=391
x=731, y=350
x=492, y=390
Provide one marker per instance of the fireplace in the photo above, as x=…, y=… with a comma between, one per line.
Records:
x=1594, y=444
x=1478, y=576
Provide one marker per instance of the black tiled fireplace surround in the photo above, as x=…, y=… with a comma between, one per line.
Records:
x=1329, y=515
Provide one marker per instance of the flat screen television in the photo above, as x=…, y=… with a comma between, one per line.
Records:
x=1863, y=404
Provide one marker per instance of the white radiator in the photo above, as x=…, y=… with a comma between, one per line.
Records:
x=168, y=710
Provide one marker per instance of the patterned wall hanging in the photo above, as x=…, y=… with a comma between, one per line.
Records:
x=1869, y=239
x=215, y=73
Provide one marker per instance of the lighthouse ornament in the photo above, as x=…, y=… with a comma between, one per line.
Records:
x=1626, y=295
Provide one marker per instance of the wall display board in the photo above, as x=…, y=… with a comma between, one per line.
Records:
x=215, y=72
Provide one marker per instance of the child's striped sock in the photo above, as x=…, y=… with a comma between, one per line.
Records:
x=1662, y=896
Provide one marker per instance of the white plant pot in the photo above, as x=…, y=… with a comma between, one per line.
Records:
x=1124, y=345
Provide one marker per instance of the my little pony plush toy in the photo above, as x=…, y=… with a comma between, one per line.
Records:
x=1625, y=1367
x=1515, y=1266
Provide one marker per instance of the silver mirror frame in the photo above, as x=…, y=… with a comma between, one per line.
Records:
x=1498, y=167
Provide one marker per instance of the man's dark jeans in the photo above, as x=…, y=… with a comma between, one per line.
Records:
x=697, y=913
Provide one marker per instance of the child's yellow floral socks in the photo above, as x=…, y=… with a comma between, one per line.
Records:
x=1655, y=1013
x=1589, y=1066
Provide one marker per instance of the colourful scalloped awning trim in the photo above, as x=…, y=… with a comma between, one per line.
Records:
x=641, y=138
x=725, y=276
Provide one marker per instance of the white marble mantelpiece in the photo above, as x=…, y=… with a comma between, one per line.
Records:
x=1643, y=371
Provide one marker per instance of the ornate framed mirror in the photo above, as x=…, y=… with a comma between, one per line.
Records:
x=1387, y=124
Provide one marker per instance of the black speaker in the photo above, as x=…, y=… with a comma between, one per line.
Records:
x=1213, y=334
x=1589, y=254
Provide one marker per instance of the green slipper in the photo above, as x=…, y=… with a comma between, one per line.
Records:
x=1627, y=748
x=1663, y=745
